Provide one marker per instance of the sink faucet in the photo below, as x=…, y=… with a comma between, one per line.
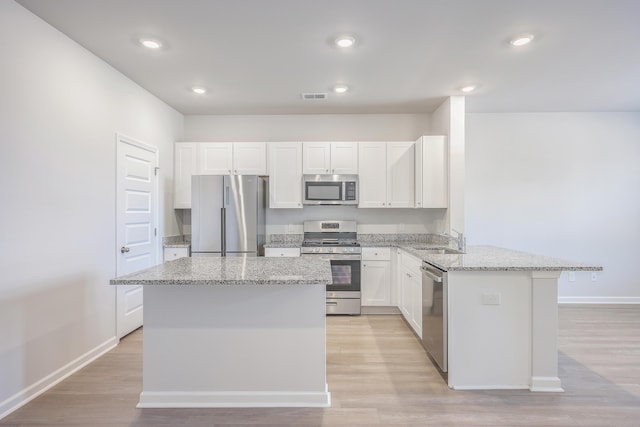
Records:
x=460, y=240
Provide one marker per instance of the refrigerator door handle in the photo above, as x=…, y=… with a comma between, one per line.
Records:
x=223, y=230
x=226, y=195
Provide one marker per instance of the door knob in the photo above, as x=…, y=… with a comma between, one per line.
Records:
x=124, y=249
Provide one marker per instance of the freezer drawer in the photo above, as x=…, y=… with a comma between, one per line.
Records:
x=343, y=306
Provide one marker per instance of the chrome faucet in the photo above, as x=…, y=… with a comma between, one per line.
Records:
x=460, y=240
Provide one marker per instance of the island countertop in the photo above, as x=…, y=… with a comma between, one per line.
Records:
x=233, y=271
x=491, y=258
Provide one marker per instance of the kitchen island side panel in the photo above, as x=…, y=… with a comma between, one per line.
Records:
x=234, y=346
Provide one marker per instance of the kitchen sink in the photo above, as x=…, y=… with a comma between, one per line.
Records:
x=442, y=251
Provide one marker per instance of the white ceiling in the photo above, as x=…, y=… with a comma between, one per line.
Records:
x=257, y=56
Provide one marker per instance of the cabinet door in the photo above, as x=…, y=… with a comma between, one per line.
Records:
x=215, y=158
x=250, y=158
x=372, y=176
x=416, y=302
x=285, y=175
x=405, y=293
x=400, y=175
x=316, y=157
x=344, y=158
x=431, y=182
x=375, y=283
x=184, y=162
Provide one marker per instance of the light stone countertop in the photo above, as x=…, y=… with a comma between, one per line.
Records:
x=491, y=258
x=233, y=271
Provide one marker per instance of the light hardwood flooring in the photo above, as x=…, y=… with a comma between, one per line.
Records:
x=379, y=375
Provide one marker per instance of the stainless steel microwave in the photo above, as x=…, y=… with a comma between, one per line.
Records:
x=330, y=189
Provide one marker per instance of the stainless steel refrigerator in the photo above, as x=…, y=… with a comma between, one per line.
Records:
x=227, y=215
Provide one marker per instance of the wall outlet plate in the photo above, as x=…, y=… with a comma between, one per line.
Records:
x=491, y=299
x=572, y=276
x=594, y=276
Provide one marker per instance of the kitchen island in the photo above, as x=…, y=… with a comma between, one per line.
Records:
x=234, y=332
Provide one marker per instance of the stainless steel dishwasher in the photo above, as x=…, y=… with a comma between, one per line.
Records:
x=434, y=313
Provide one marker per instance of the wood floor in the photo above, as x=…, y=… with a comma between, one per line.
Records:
x=379, y=376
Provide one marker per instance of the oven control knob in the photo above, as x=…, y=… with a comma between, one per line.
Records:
x=330, y=250
x=350, y=249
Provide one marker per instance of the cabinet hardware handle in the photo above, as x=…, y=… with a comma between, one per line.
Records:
x=376, y=253
x=382, y=203
x=236, y=171
x=124, y=249
x=364, y=265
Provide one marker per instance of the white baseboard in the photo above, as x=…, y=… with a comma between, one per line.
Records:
x=234, y=399
x=490, y=387
x=598, y=300
x=546, y=384
x=371, y=309
x=25, y=396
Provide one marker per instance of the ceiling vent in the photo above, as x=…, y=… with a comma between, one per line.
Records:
x=314, y=96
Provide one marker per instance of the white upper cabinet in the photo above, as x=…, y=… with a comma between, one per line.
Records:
x=344, y=158
x=250, y=158
x=215, y=158
x=185, y=164
x=386, y=178
x=431, y=172
x=372, y=180
x=330, y=157
x=400, y=175
x=285, y=175
x=227, y=158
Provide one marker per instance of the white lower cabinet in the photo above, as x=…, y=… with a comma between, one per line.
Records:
x=376, y=277
x=174, y=253
x=410, y=284
x=282, y=252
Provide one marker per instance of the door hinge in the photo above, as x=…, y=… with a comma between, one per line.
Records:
x=156, y=169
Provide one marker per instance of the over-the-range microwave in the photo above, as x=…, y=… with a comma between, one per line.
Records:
x=330, y=189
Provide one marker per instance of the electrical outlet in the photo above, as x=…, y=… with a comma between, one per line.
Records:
x=401, y=227
x=491, y=299
x=572, y=276
x=594, y=276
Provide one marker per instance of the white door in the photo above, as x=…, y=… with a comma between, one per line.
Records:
x=136, y=240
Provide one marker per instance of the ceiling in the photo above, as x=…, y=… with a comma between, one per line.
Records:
x=258, y=56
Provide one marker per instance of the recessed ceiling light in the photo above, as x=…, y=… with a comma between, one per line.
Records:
x=345, y=41
x=199, y=90
x=468, y=88
x=521, y=40
x=340, y=88
x=151, y=43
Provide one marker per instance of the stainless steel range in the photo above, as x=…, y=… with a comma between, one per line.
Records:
x=337, y=242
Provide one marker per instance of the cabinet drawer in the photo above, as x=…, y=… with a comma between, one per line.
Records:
x=281, y=252
x=174, y=253
x=376, y=254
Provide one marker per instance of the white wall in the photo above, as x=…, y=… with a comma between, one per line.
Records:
x=560, y=184
x=324, y=127
x=307, y=127
x=448, y=120
x=60, y=108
